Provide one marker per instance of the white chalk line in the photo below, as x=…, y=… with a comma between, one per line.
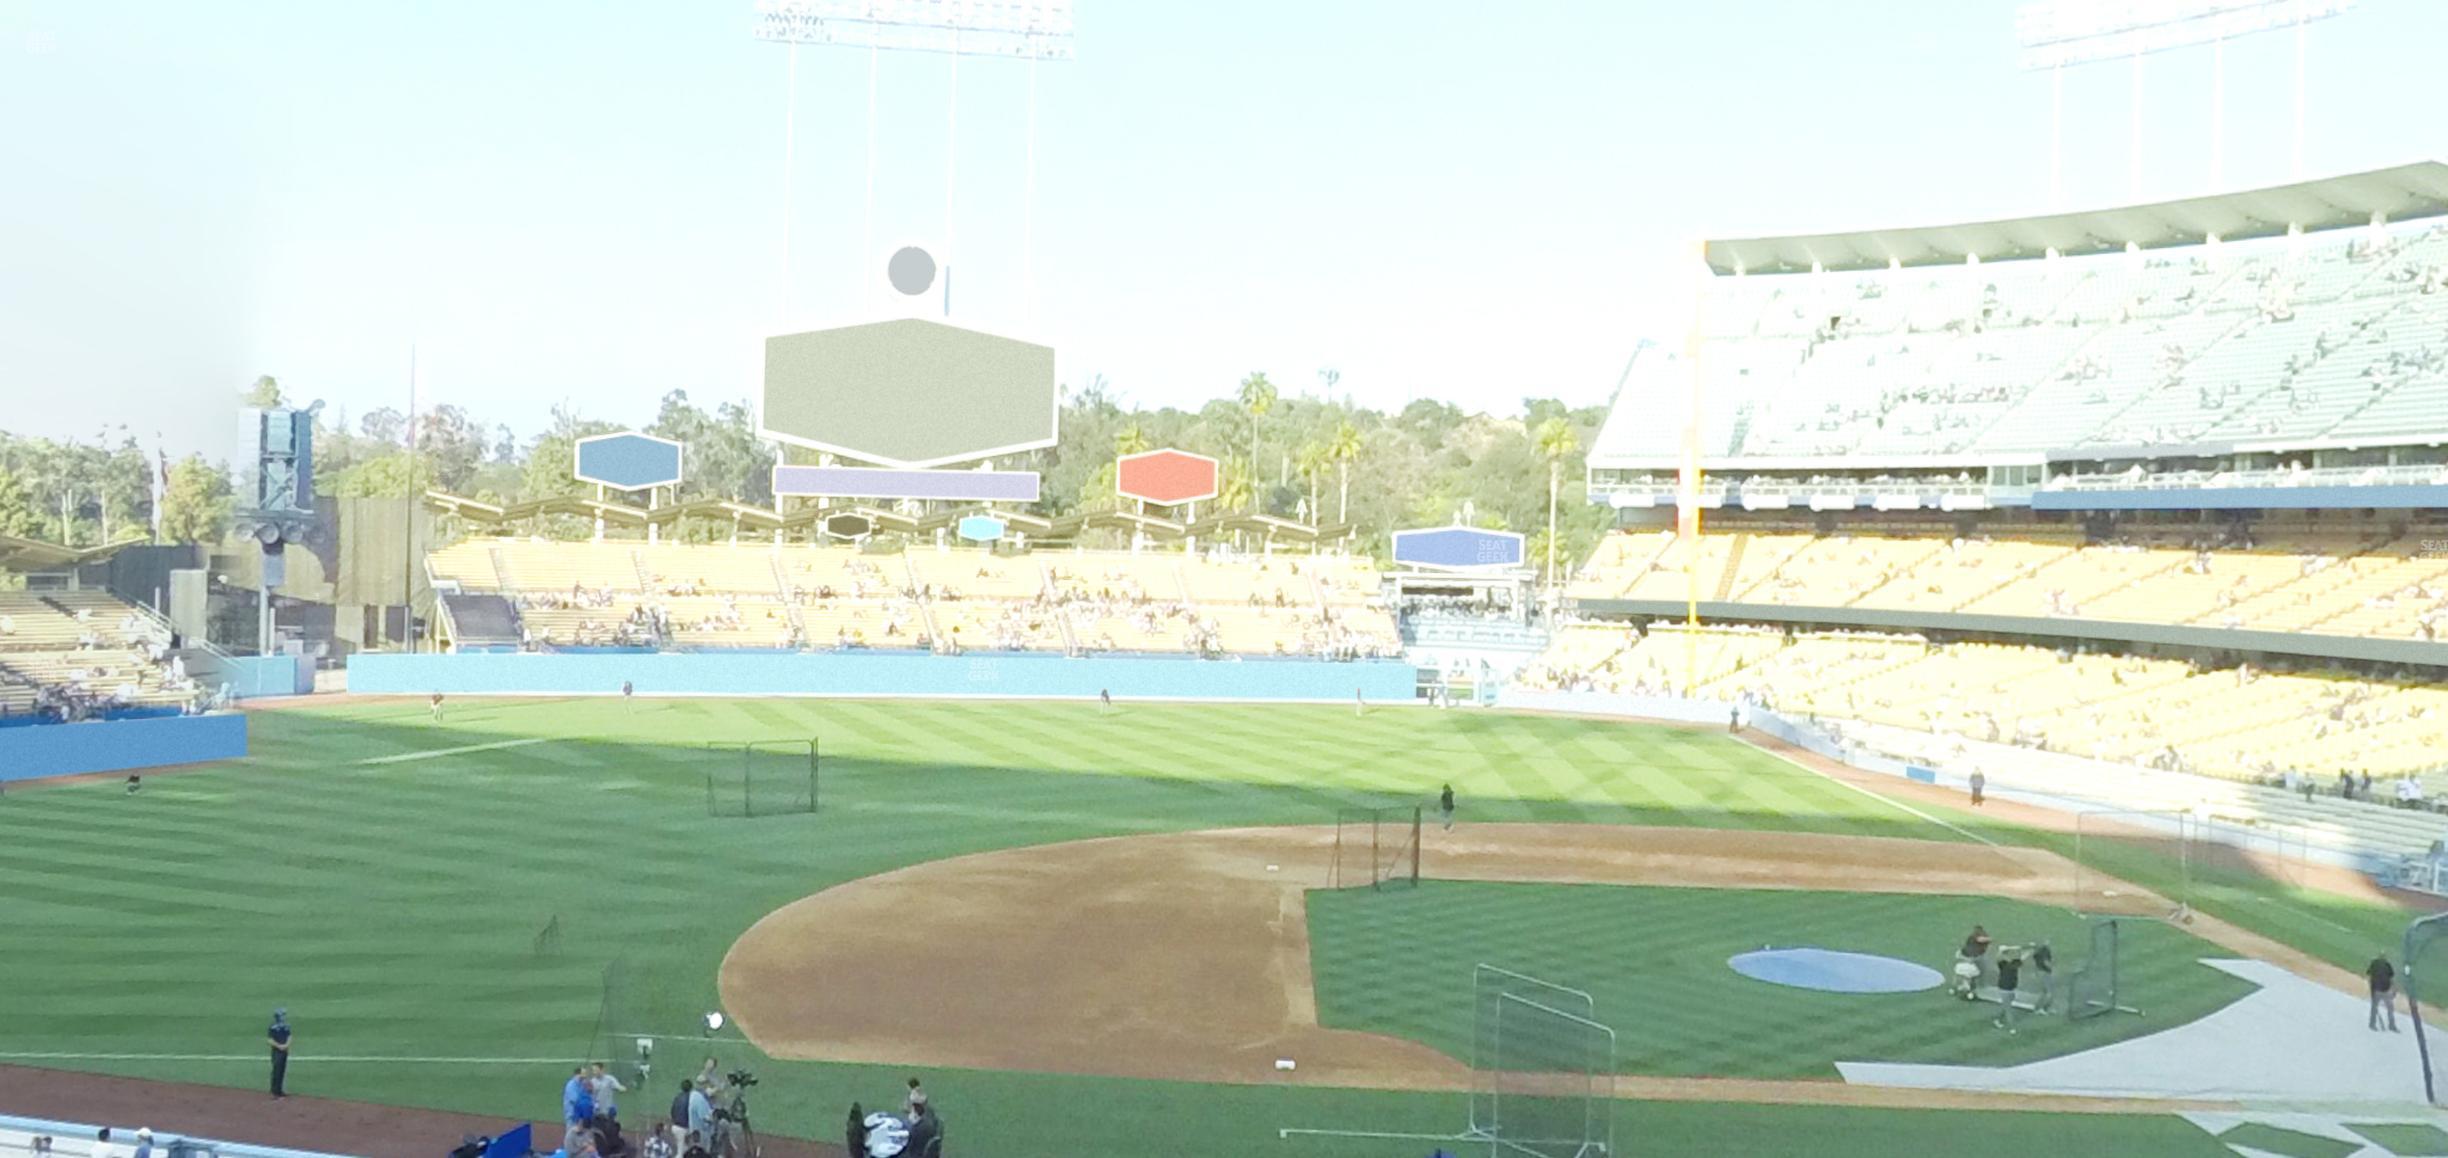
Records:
x=438, y=753
x=1886, y=800
x=257, y=1057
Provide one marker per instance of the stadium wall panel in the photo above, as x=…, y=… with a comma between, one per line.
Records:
x=253, y=676
x=41, y=750
x=2404, y=651
x=879, y=674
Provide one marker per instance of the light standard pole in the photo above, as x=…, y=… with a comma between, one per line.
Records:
x=1030, y=30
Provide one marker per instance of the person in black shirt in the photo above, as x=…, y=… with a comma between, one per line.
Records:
x=2009, y=972
x=1445, y=806
x=278, y=1038
x=2383, y=978
x=925, y=1133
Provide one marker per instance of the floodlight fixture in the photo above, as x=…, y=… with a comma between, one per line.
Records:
x=2058, y=33
x=1013, y=29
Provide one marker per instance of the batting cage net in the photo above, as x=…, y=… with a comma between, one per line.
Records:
x=2094, y=987
x=652, y=1031
x=1376, y=847
x=1543, y=1068
x=761, y=777
x=2136, y=862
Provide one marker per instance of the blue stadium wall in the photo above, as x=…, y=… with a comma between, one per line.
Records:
x=34, y=751
x=879, y=674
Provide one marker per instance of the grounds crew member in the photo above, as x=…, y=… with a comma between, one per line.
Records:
x=278, y=1038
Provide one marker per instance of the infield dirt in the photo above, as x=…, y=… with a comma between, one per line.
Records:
x=1185, y=956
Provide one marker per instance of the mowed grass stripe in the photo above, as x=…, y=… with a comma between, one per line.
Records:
x=393, y=906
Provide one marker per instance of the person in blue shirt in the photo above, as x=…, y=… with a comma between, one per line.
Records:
x=278, y=1038
x=577, y=1098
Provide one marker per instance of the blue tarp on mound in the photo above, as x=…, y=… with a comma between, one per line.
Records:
x=1835, y=971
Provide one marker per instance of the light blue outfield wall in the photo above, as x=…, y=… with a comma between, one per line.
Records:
x=256, y=676
x=119, y=745
x=881, y=674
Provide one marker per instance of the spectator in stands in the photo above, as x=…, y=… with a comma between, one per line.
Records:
x=2346, y=785
x=102, y=1147
x=144, y=1143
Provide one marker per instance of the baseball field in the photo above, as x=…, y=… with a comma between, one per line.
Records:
x=1090, y=931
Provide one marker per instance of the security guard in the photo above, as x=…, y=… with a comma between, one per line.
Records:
x=278, y=1037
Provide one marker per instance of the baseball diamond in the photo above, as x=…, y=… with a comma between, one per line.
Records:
x=923, y=579
x=1024, y=901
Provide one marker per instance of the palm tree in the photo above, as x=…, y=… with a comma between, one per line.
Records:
x=1556, y=442
x=1257, y=397
x=1131, y=440
x=1238, y=489
x=1341, y=452
x=1310, y=461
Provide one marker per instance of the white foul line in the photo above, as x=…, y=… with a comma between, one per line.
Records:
x=438, y=753
x=256, y=1057
x=1886, y=800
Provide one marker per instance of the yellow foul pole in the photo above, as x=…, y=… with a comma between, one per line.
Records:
x=1687, y=502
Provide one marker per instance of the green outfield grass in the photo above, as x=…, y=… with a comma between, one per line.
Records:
x=1654, y=959
x=393, y=906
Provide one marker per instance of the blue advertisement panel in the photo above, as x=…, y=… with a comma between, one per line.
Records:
x=1458, y=547
x=628, y=462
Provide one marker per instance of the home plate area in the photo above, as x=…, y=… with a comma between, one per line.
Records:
x=2292, y=1041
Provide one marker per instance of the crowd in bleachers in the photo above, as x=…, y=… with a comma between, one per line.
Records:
x=2242, y=721
x=2330, y=335
x=77, y=655
x=765, y=596
x=2375, y=582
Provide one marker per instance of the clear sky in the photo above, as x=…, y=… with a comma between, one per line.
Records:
x=582, y=200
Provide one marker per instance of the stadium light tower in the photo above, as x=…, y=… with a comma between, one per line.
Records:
x=2058, y=33
x=1031, y=30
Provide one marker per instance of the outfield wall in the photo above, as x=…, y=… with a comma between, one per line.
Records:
x=1003, y=674
x=40, y=750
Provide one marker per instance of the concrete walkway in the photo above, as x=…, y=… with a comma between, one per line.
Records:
x=2293, y=1041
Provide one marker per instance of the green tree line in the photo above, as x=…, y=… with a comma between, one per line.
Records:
x=1304, y=454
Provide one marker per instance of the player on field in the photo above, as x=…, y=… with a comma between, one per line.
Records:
x=1445, y=805
x=435, y=706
